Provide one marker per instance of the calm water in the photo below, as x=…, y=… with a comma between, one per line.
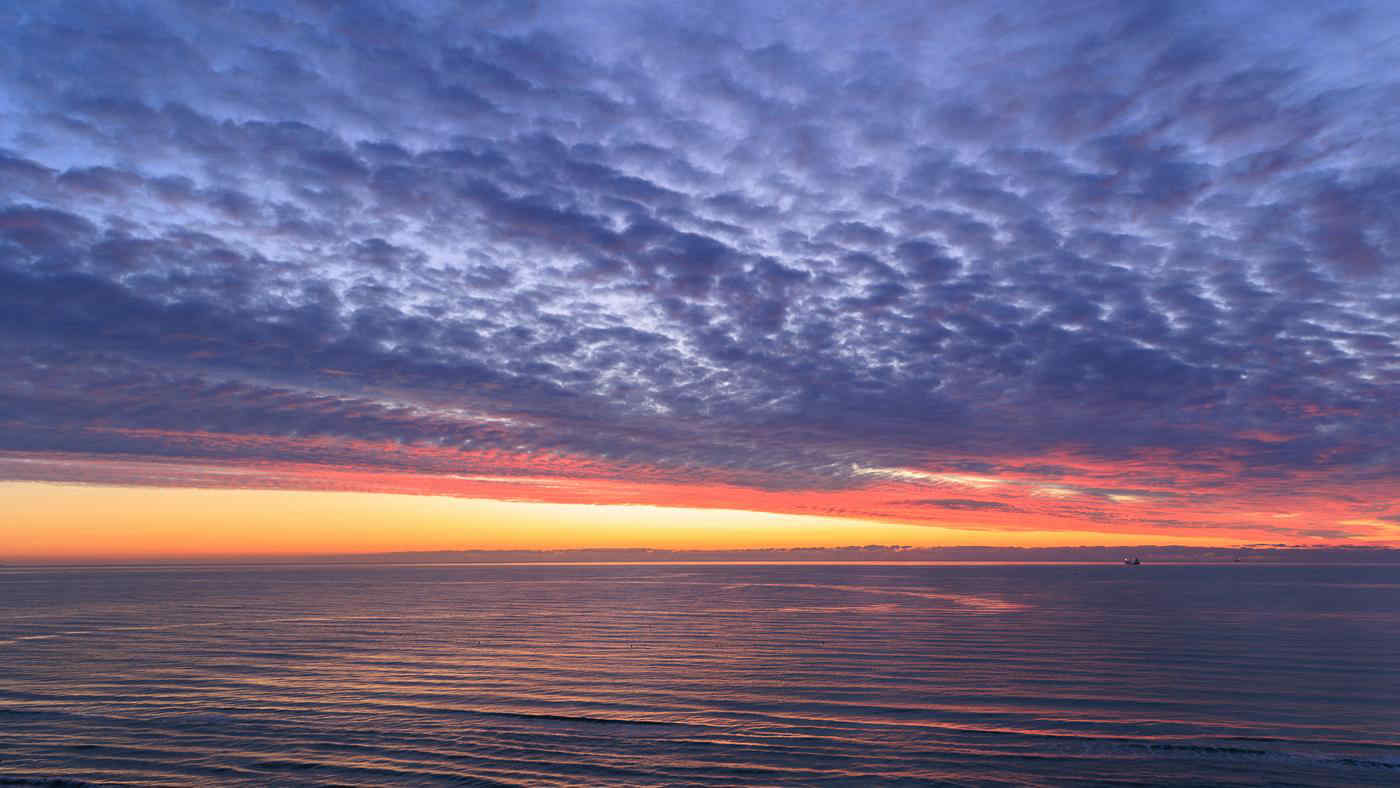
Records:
x=678, y=675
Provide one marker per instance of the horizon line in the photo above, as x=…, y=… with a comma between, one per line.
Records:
x=816, y=554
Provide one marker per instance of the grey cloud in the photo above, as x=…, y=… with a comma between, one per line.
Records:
x=1124, y=230
x=963, y=504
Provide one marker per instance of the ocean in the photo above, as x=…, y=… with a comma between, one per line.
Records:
x=675, y=674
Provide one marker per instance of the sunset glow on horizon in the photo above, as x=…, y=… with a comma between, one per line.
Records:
x=312, y=511
x=322, y=278
x=82, y=522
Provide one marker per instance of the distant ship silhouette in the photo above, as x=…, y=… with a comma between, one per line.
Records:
x=1132, y=561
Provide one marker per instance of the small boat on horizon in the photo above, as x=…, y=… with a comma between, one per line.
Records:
x=1132, y=561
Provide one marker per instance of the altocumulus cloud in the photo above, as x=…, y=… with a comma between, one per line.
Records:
x=757, y=246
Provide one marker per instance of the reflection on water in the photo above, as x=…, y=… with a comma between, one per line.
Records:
x=664, y=674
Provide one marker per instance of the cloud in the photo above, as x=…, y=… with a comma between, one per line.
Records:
x=756, y=247
x=962, y=504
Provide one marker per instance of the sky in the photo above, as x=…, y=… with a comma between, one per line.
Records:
x=299, y=276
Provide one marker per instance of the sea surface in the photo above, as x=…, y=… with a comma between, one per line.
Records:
x=672, y=674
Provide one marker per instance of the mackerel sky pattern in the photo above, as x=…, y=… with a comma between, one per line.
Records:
x=1102, y=252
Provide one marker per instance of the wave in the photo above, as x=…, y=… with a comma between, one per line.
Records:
x=1251, y=752
x=981, y=603
x=964, y=674
x=577, y=718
